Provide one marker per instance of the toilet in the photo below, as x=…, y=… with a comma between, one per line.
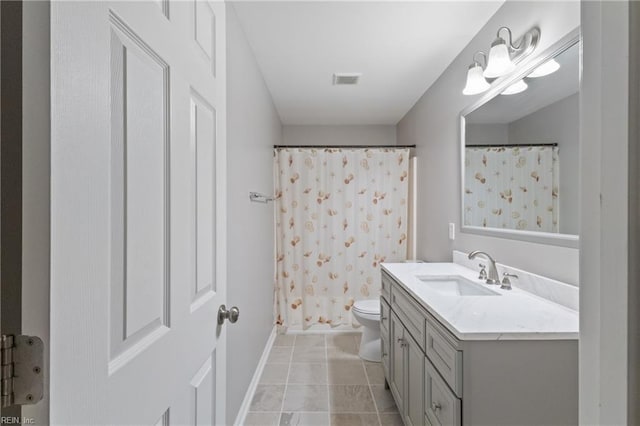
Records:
x=367, y=313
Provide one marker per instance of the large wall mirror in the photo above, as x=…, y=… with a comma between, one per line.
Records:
x=520, y=152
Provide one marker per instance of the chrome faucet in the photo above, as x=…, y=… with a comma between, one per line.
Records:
x=492, y=274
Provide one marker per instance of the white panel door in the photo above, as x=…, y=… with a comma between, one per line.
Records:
x=137, y=235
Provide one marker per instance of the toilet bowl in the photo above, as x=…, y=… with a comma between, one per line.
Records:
x=367, y=313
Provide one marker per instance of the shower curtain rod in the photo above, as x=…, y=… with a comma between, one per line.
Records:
x=510, y=145
x=343, y=146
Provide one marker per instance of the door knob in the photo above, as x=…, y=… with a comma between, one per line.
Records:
x=228, y=314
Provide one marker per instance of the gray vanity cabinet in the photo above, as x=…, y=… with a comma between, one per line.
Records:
x=437, y=379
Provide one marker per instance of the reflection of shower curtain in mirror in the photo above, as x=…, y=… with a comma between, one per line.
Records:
x=339, y=214
x=512, y=187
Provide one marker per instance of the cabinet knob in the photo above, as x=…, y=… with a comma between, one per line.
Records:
x=435, y=406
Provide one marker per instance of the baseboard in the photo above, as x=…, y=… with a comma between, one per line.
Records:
x=246, y=402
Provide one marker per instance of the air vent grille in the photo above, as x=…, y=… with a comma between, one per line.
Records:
x=340, y=79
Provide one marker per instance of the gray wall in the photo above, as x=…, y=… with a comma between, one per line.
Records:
x=486, y=133
x=339, y=135
x=433, y=125
x=253, y=127
x=558, y=122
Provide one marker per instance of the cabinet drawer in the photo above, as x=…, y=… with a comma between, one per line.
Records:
x=385, y=285
x=410, y=313
x=441, y=406
x=384, y=316
x=444, y=355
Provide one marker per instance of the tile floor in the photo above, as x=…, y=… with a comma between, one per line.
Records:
x=319, y=380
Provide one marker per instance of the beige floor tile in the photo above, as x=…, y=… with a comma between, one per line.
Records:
x=375, y=373
x=280, y=355
x=274, y=374
x=354, y=419
x=384, y=399
x=285, y=340
x=391, y=419
x=308, y=373
x=267, y=398
x=310, y=340
x=304, y=419
x=350, y=399
x=262, y=419
x=309, y=354
x=347, y=342
x=346, y=373
x=306, y=398
x=343, y=354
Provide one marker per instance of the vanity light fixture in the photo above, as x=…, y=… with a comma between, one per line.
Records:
x=476, y=83
x=504, y=54
x=517, y=87
x=547, y=68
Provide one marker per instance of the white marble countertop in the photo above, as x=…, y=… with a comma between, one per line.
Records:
x=512, y=315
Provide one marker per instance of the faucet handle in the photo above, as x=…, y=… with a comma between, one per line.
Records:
x=483, y=272
x=506, y=282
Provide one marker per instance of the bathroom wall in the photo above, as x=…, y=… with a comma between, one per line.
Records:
x=487, y=133
x=432, y=124
x=339, y=135
x=253, y=127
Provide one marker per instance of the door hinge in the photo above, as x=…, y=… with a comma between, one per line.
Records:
x=21, y=373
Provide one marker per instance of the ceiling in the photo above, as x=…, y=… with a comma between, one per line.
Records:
x=400, y=48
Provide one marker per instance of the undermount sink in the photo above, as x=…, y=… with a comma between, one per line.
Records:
x=455, y=285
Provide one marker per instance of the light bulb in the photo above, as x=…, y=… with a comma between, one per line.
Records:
x=499, y=62
x=547, y=68
x=517, y=87
x=476, y=82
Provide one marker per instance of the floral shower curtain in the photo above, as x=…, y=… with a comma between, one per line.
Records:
x=339, y=214
x=512, y=187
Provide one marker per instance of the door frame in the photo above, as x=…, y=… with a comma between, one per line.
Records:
x=11, y=115
x=24, y=181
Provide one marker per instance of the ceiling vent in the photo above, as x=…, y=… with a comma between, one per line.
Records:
x=341, y=79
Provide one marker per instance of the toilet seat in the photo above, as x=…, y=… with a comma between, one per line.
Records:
x=371, y=307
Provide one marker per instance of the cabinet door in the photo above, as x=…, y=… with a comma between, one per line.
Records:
x=397, y=373
x=386, y=354
x=414, y=395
